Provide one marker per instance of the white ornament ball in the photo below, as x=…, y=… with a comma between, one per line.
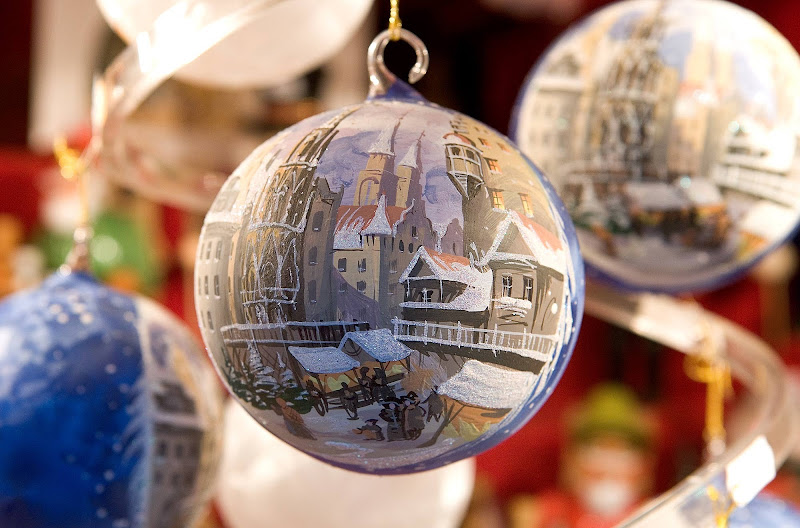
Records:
x=265, y=482
x=285, y=40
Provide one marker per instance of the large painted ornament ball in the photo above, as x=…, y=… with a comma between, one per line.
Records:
x=670, y=130
x=389, y=287
x=107, y=412
x=259, y=482
x=284, y=39
x=765, y=511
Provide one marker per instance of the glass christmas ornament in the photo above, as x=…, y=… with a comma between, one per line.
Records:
x=391, y=286
x=283, y=39
x=670, y=130
x=262, y=478
x=765, y=511
x=107, y=410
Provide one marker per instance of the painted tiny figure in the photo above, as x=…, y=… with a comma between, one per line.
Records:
x=393, y=416
x=414, y=419
x=367, y=385
x=293, y=420
x=318, y=398
x=435, y=405
x=371, y=430
x=350, y=402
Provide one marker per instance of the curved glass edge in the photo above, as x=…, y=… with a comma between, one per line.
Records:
x=180, y=35
x=773, y=425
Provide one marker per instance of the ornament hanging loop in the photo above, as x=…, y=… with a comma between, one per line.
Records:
x=380, y=78
x=395, y=24
x=74, y=166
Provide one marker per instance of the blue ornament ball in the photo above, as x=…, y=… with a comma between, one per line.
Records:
x=670, y=130
x=389, y=287
x=108, y=414
x=765, y=512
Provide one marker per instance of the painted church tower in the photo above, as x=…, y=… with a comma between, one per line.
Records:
x=378, y=177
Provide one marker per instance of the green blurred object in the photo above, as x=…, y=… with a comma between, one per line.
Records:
x=121, y=252
x=611, y=409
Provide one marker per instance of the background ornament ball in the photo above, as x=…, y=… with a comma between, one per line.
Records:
x=283, y=41
x=264, y=481
x=765, y=510
x=670, y=129
x=107, y=411
x=390, y=286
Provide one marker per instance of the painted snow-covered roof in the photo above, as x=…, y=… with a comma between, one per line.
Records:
x=380, y=344
x=353, y=221
x=452, y=268
x=488, y=386
x=656, y=196
x=703, y=192
x=384, y=144
x=323, y=360
x=411, y=159
x=545, y=246
x=768, y=220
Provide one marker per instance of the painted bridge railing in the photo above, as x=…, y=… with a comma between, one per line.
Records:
x=526, y=344
x=328, y=333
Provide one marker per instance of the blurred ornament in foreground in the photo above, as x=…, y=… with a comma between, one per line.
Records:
x=765, y=512
x=285, y=39
x=108, y=412
x=670, y=129
x=390, y=286
x=264, y=482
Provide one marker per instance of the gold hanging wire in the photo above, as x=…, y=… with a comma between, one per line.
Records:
x=73, y=167
x=395, y=24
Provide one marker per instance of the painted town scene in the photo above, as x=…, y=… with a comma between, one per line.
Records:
x=112, y=395
x=670, y=129
x=382, y=284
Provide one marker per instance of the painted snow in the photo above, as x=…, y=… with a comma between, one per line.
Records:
x=386, y=257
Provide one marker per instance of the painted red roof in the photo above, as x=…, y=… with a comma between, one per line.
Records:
x=446, y=260
x=550, y=239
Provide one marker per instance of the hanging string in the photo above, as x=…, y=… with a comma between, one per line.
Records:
x=395, y=24
x=73, y=168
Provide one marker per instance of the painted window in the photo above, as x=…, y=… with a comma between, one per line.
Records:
x=426, y=295
x=401, y=246
x=216, y=285
x=205, y=284
x=362, y=265
x=392, y=289
x=342, y=265
x=497, y=200
x=312, y=291
x=507, y=285
x=210, y=321
x=484, y=142
x=361, y=286
x=316, y=223
x=312, y=256
x=218, y=254
x=208, y=249
x=526, y=204
x=527, y=292
x=493, y=166
x=503, y=146
x=342, y=287
x=410, y=248
x=393, y=266
x=414, y=233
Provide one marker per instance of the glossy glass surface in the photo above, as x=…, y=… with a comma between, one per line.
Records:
x=670, y=130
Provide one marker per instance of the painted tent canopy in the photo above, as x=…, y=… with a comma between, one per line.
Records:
x=365, y=270
x=670, y=130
